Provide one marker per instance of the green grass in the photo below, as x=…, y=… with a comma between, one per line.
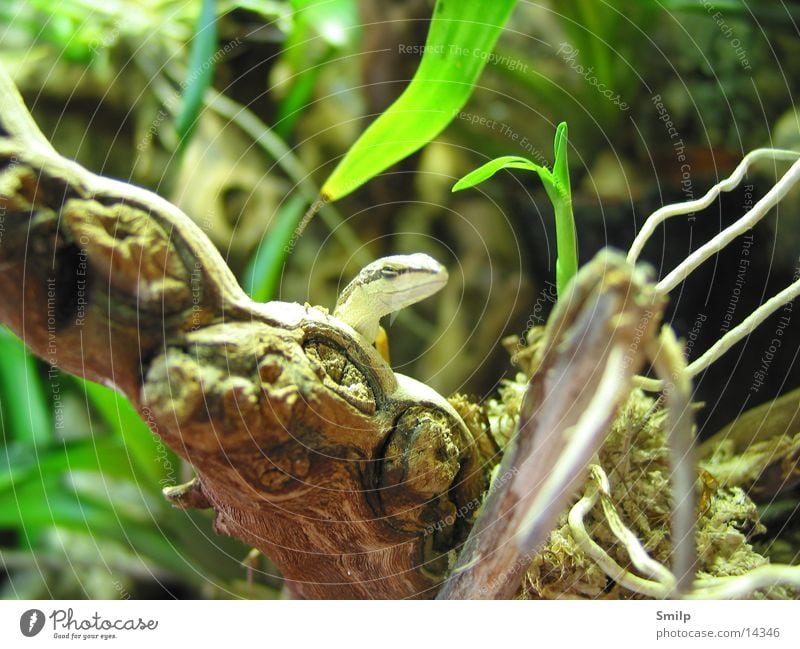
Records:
x=99, y=486
x=557, y=185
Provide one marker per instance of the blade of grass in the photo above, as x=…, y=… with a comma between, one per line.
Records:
x=460, y=39
x=26, y=409
x=567, y=261
x=125, y=423
x=486, y=171
x=201, y=73
x=263, y=273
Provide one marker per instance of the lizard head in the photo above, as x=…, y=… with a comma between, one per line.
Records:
x=398, y=281
x=388, y=285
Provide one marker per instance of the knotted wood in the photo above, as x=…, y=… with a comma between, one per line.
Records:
x=305, y=443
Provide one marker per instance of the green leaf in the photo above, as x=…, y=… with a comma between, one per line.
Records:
x=47, y=502
x=50, y=503
x=201, y=72
x=27, y=413
x=559, y=191
x=560, y=152
x=567, y=261
x=461, y=36
x=148, y=456
x=493, y=166
x=19, y=465
x=263, y=273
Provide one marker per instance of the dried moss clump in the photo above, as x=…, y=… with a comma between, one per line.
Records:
x=635, y=458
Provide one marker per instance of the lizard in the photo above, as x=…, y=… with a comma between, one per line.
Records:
x=382, y=287
x=386, y=286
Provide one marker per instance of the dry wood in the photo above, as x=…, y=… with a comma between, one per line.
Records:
x=305, y=443
x=596, y=340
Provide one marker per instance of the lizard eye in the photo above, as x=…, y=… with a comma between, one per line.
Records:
x=388, y=272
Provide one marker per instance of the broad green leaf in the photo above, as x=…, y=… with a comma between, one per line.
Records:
x=27, y=414
x=201, y=72
x=461, y=38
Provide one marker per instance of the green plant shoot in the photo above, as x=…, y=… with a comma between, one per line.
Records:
x=556, y=184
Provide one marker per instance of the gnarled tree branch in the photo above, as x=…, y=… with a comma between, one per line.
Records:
x=306, y=444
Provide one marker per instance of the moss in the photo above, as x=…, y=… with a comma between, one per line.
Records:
x=635, y=456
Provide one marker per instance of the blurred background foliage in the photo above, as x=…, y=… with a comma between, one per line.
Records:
x=237, y=111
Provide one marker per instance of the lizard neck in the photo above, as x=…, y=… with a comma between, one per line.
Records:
x=362, y=312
